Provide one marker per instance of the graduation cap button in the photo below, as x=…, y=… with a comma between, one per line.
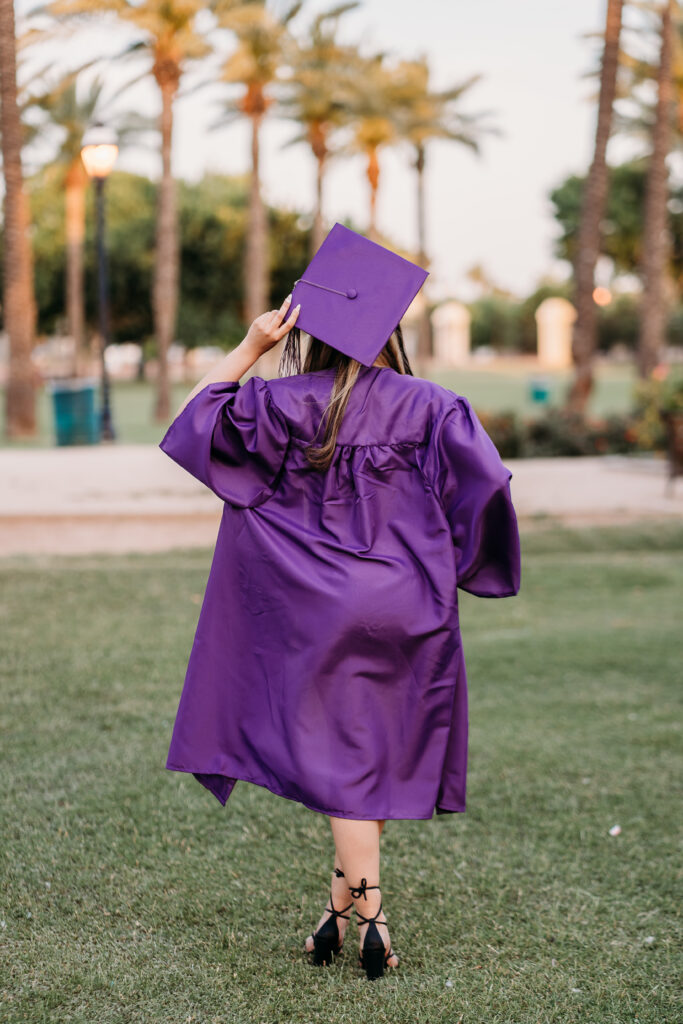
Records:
x=350, y=293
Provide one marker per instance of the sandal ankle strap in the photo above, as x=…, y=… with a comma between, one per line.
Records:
x=366, y=920
x=338, y=913
x=359, y=890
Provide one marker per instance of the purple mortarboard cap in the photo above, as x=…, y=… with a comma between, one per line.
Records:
x=354, y=292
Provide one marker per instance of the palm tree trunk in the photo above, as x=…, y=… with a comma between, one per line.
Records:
x=165, y=298
x=256, y=263
x=317, y=138
x=75, y=193
x=653, y=308
x=372, y=172
x=318, y=233
x=33, y=306
x=425, y=347
x=592, y=211
x=18, y=295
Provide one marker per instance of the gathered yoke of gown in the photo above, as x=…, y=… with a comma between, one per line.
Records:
x=327, y=664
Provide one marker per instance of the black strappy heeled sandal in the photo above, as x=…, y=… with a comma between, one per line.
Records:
x=373, y=957
x=326, y=939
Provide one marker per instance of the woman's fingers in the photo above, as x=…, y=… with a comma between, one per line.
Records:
x=276, y=316
x=288, y=324
x=282, y=311
x=269, y=328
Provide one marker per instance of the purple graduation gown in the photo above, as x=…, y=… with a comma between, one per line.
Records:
x=327, y=663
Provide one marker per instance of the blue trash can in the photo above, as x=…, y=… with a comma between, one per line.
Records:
x=539, y=390
x=76, y=417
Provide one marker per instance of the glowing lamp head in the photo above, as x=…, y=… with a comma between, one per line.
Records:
x=602, y=296
x=99, y=150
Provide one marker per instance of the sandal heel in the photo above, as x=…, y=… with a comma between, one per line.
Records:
x=323, y=950
x=326, y=941
x=373, y=956
x=373, y=953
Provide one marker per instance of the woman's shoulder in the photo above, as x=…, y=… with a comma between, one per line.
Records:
x=435, y=399
x=382, y=379
x=384, y=406
x=422, y=386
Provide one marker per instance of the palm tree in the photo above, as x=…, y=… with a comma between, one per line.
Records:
x=657, y=127
x=263, y=45
x=653, y=307
x=18, y=292
x=592, y=211
x=168, y=39
x=422, y=116
x=314, y=97
x=373, y=95
x=636, y=114
x=71, y=116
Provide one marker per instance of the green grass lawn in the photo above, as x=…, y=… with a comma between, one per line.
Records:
x=493, y=391
x=130, y=895
x=133, y=402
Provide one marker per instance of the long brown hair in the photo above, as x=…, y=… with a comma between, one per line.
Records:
x=321, y=356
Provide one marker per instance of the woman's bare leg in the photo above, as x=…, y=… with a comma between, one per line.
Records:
x=341, y=897
x=357, y=848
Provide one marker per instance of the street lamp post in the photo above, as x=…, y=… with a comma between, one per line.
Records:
x=98, y=152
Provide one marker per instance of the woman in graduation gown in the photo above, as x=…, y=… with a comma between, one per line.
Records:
x=327, y=664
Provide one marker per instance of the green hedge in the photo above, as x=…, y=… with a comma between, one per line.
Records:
x=561, y=432
x=558, y=432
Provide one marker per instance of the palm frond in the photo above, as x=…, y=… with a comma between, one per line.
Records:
x=230, y=113
x=332, y=15
x=291, y=13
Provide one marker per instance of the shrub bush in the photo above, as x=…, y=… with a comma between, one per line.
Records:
x=559, y=432
x=661, y=392
x=506, y=430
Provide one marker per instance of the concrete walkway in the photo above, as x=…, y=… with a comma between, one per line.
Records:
x=124, y=498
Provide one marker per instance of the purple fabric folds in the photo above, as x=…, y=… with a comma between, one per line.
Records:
x=327, y=663
x=231, y=438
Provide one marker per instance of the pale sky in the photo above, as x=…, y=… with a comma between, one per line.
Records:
x=491, y=210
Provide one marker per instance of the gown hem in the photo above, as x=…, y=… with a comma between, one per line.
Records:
x=336, y=813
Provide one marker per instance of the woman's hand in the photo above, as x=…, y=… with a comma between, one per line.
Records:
x=269, y=328
x=265, y=332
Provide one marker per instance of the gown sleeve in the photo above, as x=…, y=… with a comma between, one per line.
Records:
x=233, y=439
x=473, y=486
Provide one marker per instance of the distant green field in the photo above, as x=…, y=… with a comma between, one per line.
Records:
x=494, y=392
x=133, y=402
